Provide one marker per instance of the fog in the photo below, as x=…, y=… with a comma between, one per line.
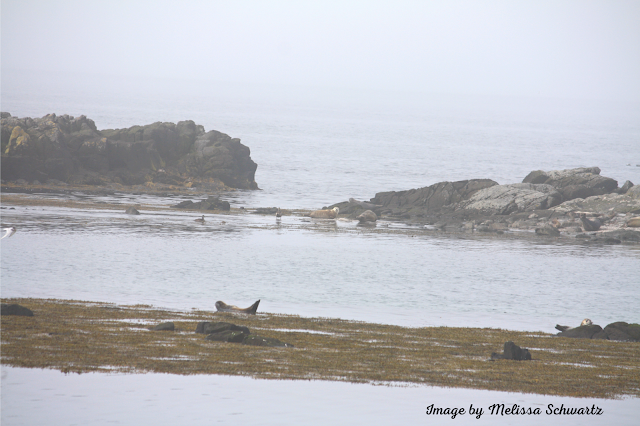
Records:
x=549, y=49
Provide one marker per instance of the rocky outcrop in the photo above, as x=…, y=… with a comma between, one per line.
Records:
x=211, y=203
x=517, y=197
x=582, y=182
x=71, y=149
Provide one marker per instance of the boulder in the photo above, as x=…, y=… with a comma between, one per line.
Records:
x=430, y=198
x=633, y=192
x=513, y=352
x=507, y=199
x=547, y=230
x=15, y=309
x=211, y=203
x=581, y=182
x=625, y=187
x=132, y=210
x=634, y=222
x=623, y=331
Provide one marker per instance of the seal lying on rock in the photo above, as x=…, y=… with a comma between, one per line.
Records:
x=589, y=225
x=325, y=214
x=223, y=307
x=367, y=216
x=585, y=321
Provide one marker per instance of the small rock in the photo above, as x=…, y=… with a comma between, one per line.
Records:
x=132, y=210
x=548, y=231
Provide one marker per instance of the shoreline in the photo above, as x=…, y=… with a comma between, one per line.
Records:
x=80, y=336
x=455, y=227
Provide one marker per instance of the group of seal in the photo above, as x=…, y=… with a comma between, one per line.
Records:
x=325, y=214
x=223, y=307
x=585, y=321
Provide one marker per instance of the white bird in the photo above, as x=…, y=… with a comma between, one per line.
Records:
x=8, y=232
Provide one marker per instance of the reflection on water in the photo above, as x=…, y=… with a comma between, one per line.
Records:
x=315, y=268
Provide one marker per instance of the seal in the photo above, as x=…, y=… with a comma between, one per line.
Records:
x=589, y=225
x=585, y=321
x=223, y=307
x=325, y=214
x=367, y=216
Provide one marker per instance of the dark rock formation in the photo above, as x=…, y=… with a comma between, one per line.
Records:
x=254, y=340
x=623, y=332
x=72, y=150
x=513, y=352
x=15, y=309
x=513, y=198
x=211, y=203
x=574, y=183
x=165, y=326
x=549, y=231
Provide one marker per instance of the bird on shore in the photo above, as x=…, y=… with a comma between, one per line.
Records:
x=278, y=214
x=200, y=220
x=589, y=225
x=8, y=232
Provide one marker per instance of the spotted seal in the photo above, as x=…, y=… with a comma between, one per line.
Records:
x=589, y=225
x=325, y=214
x=223, y=307
x=367, y=216
x=585, y=321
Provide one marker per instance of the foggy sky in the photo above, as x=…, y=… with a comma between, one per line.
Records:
x=564, y=49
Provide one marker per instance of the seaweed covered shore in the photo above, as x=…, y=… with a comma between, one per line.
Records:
x=79, y=336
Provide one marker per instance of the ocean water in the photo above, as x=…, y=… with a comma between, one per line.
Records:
x=314, y=148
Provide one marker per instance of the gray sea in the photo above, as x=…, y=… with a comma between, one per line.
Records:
x=314, y=148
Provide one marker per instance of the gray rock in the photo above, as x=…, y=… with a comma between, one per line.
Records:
x=623, y=331
x=15, y=309
x=507, y=199
x=582, y=182
x=625, y=187
x=547, y=231
x=634, y=192
x=132, y=210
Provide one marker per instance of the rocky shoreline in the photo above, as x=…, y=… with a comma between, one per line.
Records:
x=65, y=150
x=550, y=203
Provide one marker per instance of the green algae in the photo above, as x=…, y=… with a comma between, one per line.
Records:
x=79, y=336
